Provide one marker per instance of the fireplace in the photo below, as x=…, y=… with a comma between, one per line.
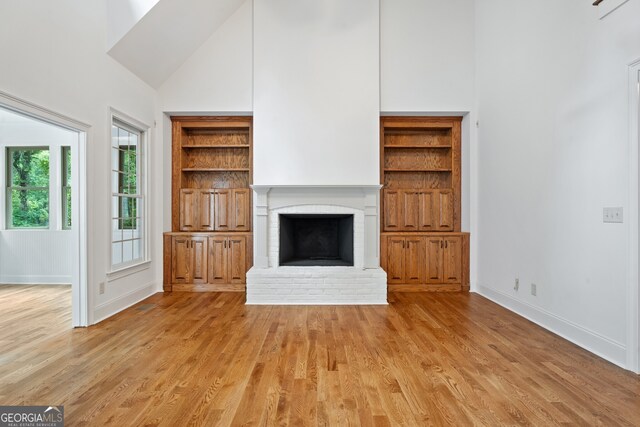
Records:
x=316, y=245
x=316, y=240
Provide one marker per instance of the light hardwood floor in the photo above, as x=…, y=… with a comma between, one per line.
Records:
x=207, y=359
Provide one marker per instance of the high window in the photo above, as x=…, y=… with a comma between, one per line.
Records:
x=128, y=200
x=28, y=187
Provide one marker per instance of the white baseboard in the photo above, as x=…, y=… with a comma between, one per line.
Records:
x=35, y=280
x=116, y=305
x=597, y=344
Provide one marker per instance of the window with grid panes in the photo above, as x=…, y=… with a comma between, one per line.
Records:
x=127, y=243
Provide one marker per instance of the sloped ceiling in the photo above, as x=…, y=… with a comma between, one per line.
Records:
x=122, y=15
x=168, y=34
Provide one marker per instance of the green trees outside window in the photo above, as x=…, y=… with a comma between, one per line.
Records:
x=28, y=189
x=127, y=244
x=127, y=187
x=66, y=188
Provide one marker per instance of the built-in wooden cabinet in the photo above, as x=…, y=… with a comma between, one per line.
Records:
x=206, y=261
x=211, y=174
x=240, y=210
x=189, y=258
x=420, y=174
x=228, y=259
x=444, y=259
x=418, y=210
x=405, y=259
x=196, y=210
x=426, y=261
x=215, y=210
x=232, y=210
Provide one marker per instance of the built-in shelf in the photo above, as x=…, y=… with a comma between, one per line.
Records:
x=417, y=146
x=216, y=146
x=215, y=169
x=210, y=245
x=416, y=170
x=421, y=246
x=409, y=127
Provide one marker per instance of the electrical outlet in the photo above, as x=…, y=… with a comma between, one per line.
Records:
x=516, y=286
x=613, y=215
x=534, y=289
x=101, y=288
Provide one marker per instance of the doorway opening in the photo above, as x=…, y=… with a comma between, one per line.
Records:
x=43, y=213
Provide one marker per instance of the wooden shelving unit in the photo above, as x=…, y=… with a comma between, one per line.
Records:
x=209, y=247
x=216, y=146
x=422, y=246
x=215, y=169
x=389, y=147
x=416, y=170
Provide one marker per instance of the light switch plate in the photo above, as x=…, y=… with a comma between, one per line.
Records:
x=613, y=215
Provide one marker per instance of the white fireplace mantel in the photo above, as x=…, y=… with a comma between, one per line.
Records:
x=364, y=283
x=270, y=197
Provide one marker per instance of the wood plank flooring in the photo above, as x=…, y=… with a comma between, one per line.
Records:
x=207, y=359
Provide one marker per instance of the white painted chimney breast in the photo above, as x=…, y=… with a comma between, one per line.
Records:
x=316, y=92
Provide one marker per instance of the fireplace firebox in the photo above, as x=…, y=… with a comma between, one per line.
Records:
x=316, y=240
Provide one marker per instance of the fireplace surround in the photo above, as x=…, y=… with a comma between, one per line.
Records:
x=361, y=282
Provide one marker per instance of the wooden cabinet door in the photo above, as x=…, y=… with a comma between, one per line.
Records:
x=410, y=209
x=445, y=210
x=188, y=210
x=414, y=260
x=218, y=259
x=452, y=260
x=222, y=208
x=236, y=259
x=180, y=259
x=240, y=210
x=395, y=259
x=434, y=260
x=199, y=256
x=427, y=211
x=391, y=210
x=206, y=210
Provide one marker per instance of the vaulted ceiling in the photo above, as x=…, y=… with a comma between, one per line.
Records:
x=158, y=42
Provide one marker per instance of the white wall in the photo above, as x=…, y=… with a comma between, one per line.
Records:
x=427, y=55
x=58, y=61
x=316, y=92
x=553, y=151
x=36, y=256
x=218, y=76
